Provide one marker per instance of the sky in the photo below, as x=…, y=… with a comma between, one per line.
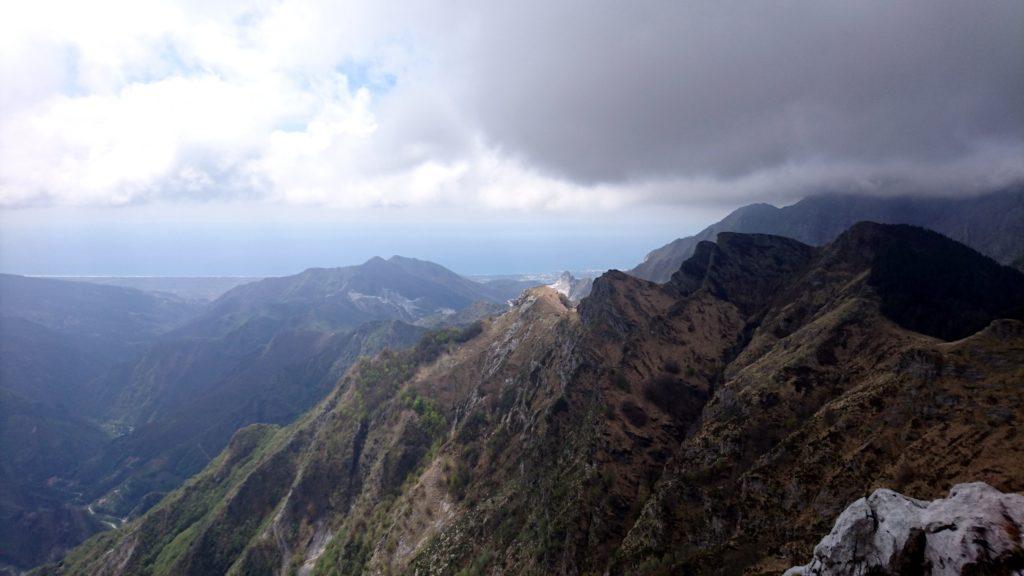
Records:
x=152, y=137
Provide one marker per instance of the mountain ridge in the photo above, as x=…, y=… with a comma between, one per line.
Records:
x=992, y=223
x=255, y=331
x=705, y=425
x=263, y=352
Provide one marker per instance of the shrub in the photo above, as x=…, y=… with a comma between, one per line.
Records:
x=469, y=332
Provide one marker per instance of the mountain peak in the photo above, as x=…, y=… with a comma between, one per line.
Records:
x=396, y=259
x=992, y=223
x=571, y=287
x=744, y=269
x=929, y=283
x=924, y=281
x=375, y=261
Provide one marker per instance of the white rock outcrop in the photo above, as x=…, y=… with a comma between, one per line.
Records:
x=976, y=530
x=571, y=287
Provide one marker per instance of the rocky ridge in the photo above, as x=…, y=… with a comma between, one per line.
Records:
x=573, y=288
x=708, y=425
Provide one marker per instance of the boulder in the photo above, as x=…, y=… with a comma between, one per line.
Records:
x=976, y=530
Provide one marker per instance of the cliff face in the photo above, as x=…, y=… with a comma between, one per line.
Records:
x=709, y=425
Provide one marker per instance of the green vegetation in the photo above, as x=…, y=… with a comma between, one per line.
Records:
x=458, y=480
x=168, y=532
x=478, y=565
x=583, y=453
x=429, y=415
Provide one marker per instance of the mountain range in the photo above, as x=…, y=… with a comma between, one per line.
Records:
x=709, y=412
x=991, y=223
x=714, y=423
x=112, y=396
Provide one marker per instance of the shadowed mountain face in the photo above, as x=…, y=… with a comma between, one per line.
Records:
x=44, y=434
x=263, y=352
x=115, y=322
x=992, y=224
x=713, y=424
x=144, y=389
x=273, y=384
x=56, y=337
x=275, y=319
x=42, y=443
x=44, y=365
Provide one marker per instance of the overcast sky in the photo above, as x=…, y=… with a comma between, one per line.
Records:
x=141, y=133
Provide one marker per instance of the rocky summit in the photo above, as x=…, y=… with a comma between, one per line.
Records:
x=713, y=424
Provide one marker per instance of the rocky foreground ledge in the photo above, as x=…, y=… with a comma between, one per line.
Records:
x=976, y=530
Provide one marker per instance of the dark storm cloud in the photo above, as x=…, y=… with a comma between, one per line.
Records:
x=618, y=91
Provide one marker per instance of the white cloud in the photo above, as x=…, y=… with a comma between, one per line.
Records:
x=152, y=100
x=491, y=106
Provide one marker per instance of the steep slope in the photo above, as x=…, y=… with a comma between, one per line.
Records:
x=831, y=399
x=291, y=374
x=57, y=336
x=277, y=312
x=992, y=223
x=705, y=425
x=264, y=352
x=172, y=398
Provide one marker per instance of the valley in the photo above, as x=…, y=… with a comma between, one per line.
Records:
x=114, y=396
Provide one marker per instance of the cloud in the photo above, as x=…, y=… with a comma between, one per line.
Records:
x=725, y=89
x=524, y=106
